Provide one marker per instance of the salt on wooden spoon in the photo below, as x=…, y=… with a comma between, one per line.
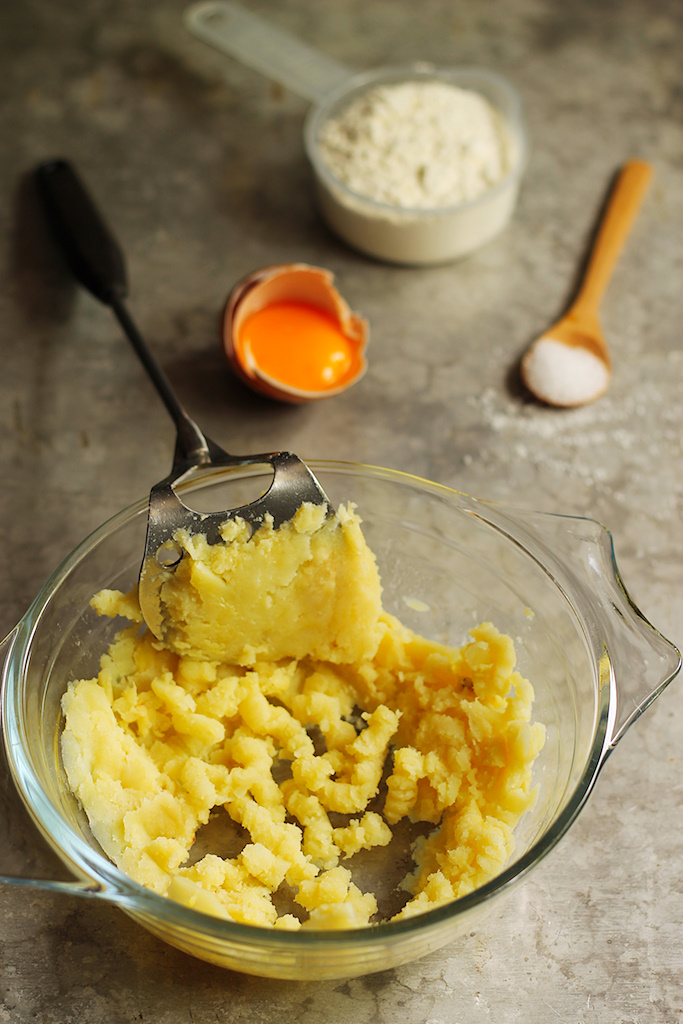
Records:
x=570, y=364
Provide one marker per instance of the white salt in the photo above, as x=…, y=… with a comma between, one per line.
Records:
x=564, y=374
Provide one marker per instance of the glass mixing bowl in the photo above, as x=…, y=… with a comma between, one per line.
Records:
x=551, y=582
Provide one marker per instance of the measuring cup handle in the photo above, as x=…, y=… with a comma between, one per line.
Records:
x=259, y=45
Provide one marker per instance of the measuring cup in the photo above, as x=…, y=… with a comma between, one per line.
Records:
x=414, y=236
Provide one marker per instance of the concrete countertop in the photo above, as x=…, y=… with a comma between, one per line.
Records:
x=199, y=165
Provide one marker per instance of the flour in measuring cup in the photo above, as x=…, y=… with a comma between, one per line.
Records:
x=417, y=145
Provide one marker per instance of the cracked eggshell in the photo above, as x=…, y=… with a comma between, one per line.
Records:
x=290, y=282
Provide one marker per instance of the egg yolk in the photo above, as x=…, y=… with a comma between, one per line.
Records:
x=299, y=345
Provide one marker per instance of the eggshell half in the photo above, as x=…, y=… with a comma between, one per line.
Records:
x=290, y=282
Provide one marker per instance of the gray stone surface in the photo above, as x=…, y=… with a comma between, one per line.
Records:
x=199, y=164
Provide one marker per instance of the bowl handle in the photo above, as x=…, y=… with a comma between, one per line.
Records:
x=55, y=886
x=14, y=858
x=635, y=660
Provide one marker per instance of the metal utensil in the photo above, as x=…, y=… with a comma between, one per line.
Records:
x=97, y=262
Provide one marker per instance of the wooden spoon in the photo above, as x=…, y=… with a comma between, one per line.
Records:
x=570, y=364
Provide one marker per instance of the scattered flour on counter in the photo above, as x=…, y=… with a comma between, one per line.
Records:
x=564, y=375
x=419, y=144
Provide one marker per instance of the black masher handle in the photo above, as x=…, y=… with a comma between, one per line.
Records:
x=92, y=252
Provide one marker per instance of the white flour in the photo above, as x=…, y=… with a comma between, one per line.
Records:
x=417, y=145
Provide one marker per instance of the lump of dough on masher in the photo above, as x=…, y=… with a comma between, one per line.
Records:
x=309, y=588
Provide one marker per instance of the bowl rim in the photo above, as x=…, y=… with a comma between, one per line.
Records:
x=93, y=866
x=463, y=76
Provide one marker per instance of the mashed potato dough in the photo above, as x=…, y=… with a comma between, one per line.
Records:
x=310, y=591
x=312, y=718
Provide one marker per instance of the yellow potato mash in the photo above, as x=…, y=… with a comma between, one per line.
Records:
x=312, y=718
x=311, y=590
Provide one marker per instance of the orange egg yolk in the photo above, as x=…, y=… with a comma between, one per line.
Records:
x=299, y=345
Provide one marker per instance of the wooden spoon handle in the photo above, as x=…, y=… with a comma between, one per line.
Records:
x=624, y=203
